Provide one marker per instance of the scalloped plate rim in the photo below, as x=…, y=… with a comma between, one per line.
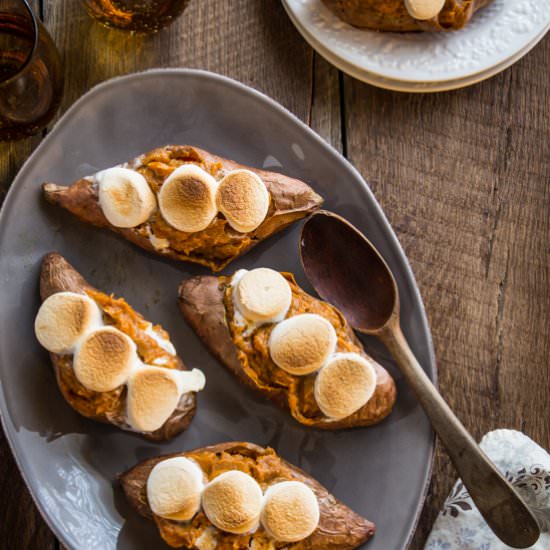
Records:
x=417, y=87
x=344, y=59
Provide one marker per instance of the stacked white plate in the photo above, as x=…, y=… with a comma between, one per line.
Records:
x=495, y=38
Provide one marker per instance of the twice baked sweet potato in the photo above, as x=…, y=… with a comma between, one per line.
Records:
x=217, y=245
x=207, y=304
x=392, y=15
x=58, y=275
x=339, y=528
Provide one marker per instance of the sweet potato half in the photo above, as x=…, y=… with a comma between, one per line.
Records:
x=58, y=275
x=339, y=528
x=206, y=304
x=392, y=15
x=215, y=246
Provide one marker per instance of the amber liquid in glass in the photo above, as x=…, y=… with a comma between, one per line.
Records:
x=13, y=53
x=136, y=15
x=30, y=80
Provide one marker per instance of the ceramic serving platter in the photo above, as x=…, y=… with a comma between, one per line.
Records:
x=496, y=37
x=70, y=463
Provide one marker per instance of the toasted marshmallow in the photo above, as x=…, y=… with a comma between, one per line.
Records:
x=165, y=344
x=125, y=197
x=193, y=380
x=424, y=9
x=302, y=344
x=290, y=512
x=344, y=385
x=233, y=502
x=243, y=199
x=263, y=295
x=64, y=319
x=187, y=199
x=105, y=359
x=174, y=488
x=154, y=394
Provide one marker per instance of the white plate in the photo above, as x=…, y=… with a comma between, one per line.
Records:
x=496, y=37
x=424, y=87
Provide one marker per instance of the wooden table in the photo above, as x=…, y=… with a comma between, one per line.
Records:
x=463, y=177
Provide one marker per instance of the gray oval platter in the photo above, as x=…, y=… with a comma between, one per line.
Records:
x=70, y=463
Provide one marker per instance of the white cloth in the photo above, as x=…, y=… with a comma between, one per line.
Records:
x=526, y=465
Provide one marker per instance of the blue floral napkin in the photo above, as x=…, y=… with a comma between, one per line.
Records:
x=526, y=465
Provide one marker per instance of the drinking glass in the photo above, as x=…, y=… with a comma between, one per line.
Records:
x=31, y=79
x=136, y=15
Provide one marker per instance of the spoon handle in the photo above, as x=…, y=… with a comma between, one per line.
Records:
x=502, y=508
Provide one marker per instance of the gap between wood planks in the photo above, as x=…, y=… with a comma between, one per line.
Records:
x=343, y=116
x=326, y=113
x=342, y=146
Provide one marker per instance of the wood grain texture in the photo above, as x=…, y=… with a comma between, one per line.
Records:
x=21, y=525
x=325, y=115
x=463, y=177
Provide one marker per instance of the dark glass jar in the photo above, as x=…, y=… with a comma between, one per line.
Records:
x=31, y=77
x=136, y=15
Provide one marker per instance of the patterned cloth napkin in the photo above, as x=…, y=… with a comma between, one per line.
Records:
x=526, y=465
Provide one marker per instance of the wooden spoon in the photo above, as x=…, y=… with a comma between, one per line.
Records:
x=347, y=271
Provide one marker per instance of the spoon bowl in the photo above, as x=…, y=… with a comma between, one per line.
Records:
x=347, y=270
x=367, y=292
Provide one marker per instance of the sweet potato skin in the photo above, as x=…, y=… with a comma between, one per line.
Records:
x=392, y=15
x=340, y=528
x=291, y=200
x=201, y=301
x=57, y=275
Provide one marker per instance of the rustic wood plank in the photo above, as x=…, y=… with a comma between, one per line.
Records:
x=463, y=177
x=325, y=114
x=21, y=525
x=12, y=156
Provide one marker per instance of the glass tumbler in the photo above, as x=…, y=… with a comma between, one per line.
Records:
x=31, y=78
x=136, y=15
